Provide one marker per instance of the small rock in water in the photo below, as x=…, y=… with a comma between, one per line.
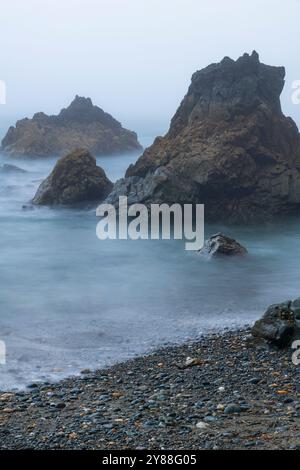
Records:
x=220, y=245
x=8, y=168
x=27, y=207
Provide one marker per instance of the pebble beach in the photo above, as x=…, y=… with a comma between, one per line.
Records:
x=220, y=392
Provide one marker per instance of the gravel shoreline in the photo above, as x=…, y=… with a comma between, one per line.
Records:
x=232, y=394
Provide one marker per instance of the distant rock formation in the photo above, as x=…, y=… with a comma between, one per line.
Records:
x=220, y=245
x=75, y=179
x=81, y=125
x=229, y=147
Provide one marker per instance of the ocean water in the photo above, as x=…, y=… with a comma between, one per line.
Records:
x=69, y=301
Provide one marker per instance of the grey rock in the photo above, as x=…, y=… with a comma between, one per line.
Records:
x=254, y=380
x=229, y=147
x=278, y=326
x=60, y=405
x=232, y=408
x=220, y=245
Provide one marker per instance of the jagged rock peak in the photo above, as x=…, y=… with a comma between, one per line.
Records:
x=226, y=89
x=83, y=110
x=81, y=123
x=229, y=147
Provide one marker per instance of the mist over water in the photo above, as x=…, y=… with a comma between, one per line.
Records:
x=69, y=301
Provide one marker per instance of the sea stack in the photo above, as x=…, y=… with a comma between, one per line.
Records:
x=82, y=124
x=229, y=147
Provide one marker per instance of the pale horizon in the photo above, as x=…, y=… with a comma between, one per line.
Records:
x=134, y=59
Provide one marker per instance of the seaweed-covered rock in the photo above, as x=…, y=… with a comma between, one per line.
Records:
x=75, y=179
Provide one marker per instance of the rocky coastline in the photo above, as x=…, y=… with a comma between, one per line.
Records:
x=230, y=147
x=223, y=391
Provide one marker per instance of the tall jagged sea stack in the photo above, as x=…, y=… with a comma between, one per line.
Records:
x=229, y=147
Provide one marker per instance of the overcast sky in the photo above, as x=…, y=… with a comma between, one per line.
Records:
x=134, y=58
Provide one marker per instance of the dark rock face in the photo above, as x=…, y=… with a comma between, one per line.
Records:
x=278, y=326
x=75, y=179
x=295, y=306
x=229, y=147
x=220, y=245
x=138, y=189
x=80, y=125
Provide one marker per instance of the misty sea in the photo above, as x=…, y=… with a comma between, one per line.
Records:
x=69, y=301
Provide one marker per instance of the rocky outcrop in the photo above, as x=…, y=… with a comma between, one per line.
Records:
x=278, y=326
x=75, y=179
x=220, y=245
x=81, y=125
x=229, y=147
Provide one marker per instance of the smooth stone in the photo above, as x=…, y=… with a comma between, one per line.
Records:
x=232, y=408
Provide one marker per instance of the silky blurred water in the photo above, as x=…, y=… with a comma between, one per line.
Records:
x=69, y=301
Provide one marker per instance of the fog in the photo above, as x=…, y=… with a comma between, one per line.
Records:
x=134, y=58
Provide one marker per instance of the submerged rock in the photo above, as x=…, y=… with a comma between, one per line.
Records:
x=229, y=147
x=75, y=179
x=278, y=326
x=80, y=125
x=221, y=245
x=27, y=207
x=7, y=168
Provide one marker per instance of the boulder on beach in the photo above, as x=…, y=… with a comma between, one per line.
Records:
x=75, y=179
x=82, y=124
x=219, y=245
x=295, y=306
x=229, y=147
x=278, y=326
